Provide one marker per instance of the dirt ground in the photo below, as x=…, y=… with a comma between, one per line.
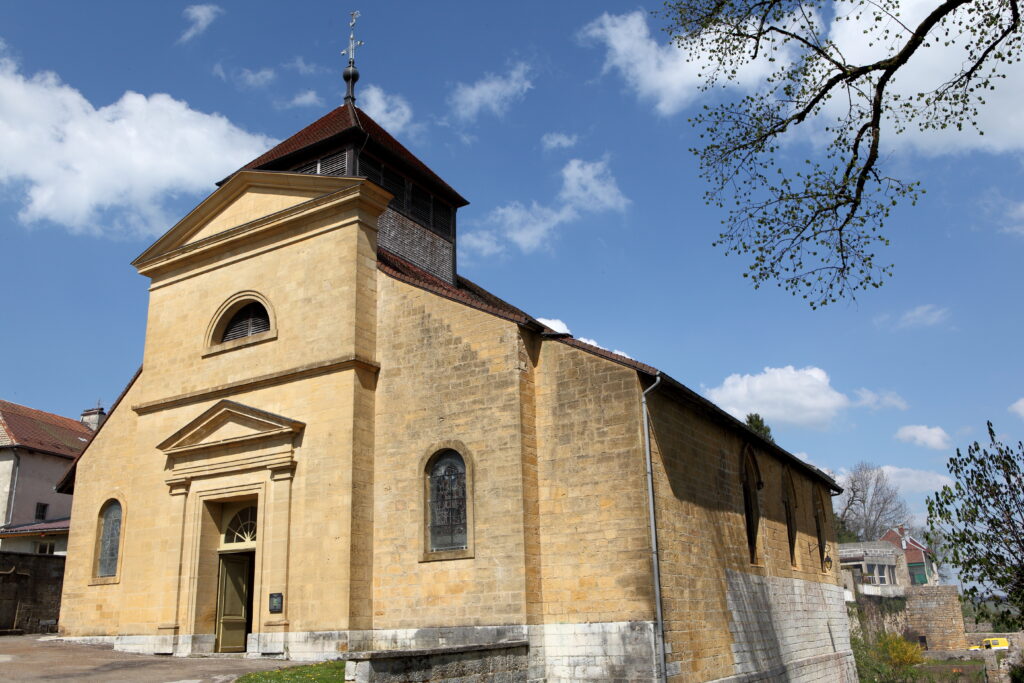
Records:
x=44, y=658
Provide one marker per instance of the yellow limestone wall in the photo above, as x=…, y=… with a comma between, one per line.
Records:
x=321, y=292
x=552, y=435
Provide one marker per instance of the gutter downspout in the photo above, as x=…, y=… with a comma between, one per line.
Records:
x=14, y=486
x=659, y=637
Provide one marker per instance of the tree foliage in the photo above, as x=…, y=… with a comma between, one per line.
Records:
x=979, y=524
x=870, y=504
x=814, y=230
x=759, y=426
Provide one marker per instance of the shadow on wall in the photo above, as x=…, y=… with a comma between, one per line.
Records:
x=30, y=588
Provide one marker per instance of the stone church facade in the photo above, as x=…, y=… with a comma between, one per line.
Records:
x=337, y=447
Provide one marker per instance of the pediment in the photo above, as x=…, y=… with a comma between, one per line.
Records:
x=245, y=197
x=229, y=424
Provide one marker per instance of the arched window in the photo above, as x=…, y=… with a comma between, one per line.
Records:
x=242, y=527
x=250, y=319
x=110, y=539
x=789, y=502
x=751, y=507
x=819, y=528
x=446, y=490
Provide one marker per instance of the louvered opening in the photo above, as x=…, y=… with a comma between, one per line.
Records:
x=369, y=168
x=394, y=183
x=419, y=207
x=249, y=320
x=442, y=218
x=309, y=168
x=333, y=164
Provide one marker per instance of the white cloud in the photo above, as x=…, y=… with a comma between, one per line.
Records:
x=256, y=79
x=587, y=186
x=303, y=67
x=481, y=242
x=305, y=98
x=876, y=400
x=200, y=18
x=658, y=72
x=491, y=93
x=590, y=186
x=921, y=435
x=927, y=315
x=916, y=481
x=558, y=141
x=617, y=352
x=218, y=71
x=109, y=169
x=801, y=397
x=555, y=324
x=1017, y=408
x=390, y=111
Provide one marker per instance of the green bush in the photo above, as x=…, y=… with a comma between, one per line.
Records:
x=887, y=659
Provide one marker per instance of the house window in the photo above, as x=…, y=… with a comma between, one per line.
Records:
x=447, y=502
x=41, y=509
x=751, y=507
x=250, y=319
x=45, y=547
x=789, y=503
x=110, y=539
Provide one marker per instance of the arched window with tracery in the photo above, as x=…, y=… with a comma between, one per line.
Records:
x=250, y=319
x=447, y=503
x=790, y=503
x=751, y=507
x=242, y=527
x=110, y=539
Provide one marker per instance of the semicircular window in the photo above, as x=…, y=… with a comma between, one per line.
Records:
x=242, y=528
x=248, y=320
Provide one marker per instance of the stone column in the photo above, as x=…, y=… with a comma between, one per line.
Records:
x=277, y=513
x=168, y=630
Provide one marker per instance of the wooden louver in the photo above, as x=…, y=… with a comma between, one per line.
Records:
x=249, y=320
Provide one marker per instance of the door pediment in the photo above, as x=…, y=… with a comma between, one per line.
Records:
x=227, y=424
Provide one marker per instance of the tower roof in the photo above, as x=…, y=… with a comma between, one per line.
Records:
x=349, y=122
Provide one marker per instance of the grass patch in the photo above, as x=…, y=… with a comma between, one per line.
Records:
x=325, y=672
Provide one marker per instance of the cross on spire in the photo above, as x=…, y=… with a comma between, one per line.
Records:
x=351, y=73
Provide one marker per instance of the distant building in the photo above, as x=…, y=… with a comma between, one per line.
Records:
x=36, y=448
x=873, y=568
x=919, y=558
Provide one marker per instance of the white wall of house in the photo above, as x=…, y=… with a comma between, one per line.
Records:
x=32, y=481
x=30, y=544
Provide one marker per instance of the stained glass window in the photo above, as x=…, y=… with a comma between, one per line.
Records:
x=447, y=502
x=242, y=528
x=110, y=539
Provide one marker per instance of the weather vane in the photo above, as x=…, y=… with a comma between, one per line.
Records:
x=351, y=73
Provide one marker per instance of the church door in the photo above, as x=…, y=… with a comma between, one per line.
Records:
x=234, y=601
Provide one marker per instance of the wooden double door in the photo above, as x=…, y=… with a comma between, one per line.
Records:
x=235, y=600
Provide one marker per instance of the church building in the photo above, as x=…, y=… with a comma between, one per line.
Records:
x=337, y=447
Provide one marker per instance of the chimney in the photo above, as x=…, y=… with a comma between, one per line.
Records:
x=93, y=417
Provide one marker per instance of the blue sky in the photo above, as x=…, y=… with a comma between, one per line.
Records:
x=565, y=125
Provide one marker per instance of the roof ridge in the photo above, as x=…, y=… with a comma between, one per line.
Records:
x=36, y=413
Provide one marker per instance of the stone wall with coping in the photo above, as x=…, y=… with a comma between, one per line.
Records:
x=30, y=587
x=934, y=612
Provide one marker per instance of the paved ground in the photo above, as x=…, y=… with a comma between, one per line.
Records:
x=43, y=658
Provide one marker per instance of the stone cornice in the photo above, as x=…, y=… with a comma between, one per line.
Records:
x=258, y=382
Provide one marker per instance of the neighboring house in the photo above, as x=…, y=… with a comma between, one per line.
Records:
x=919, y=559
x=875, y=567
x=36, y=448
x=337, y=445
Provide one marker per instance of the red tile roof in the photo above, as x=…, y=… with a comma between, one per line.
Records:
x=51, y=526
x=26, y=427
x=342, y=120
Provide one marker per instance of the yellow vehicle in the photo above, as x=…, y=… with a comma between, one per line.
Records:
x=992, y=644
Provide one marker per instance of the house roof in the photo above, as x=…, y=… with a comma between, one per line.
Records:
x=26, y=427
x=337, y=125
x=49, y=527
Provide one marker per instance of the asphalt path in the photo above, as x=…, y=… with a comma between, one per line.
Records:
x=46, y=658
